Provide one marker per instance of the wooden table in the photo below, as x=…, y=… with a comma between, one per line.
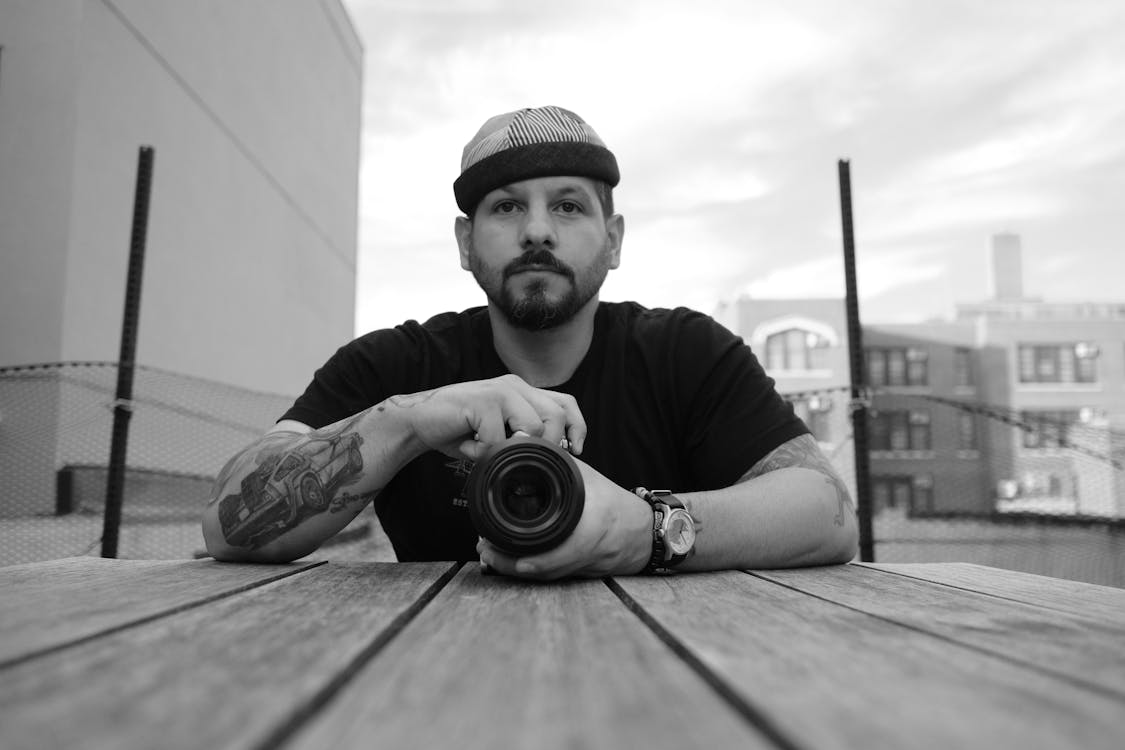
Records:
x=197, y=654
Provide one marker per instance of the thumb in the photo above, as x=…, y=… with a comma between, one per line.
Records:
x=472, y=449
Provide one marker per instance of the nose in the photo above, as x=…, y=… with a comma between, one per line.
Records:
x=538, y=229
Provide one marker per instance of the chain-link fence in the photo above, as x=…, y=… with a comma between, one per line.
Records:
x=55, y=429
x=1042, y=491
x=950, y=480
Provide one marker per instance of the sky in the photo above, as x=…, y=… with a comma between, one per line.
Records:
x=958, y=119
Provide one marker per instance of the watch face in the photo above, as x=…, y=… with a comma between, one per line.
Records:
x=681, y=532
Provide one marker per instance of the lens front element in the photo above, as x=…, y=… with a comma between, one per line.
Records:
x=525, y=495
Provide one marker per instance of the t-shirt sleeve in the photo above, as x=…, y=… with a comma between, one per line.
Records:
x=359, y=375
x=735, y=416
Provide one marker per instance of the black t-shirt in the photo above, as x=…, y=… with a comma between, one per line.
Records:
x=672, y=400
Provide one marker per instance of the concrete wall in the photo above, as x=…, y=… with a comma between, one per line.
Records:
x=38, y=111
x=253, y=108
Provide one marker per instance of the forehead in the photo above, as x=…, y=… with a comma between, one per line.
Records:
x=551, y=187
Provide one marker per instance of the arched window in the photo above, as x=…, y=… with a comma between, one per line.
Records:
x=787, y=343
x=792, y=349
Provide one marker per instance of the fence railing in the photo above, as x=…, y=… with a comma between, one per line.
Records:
x=950, y=480
x=55, y=429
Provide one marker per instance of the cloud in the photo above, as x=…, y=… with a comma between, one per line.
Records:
x=960, y=119
x=824, y=276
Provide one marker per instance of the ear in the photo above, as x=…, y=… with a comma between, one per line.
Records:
x=615, y=230
x=463, y=231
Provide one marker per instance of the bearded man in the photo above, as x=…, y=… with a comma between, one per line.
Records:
x=640, y=397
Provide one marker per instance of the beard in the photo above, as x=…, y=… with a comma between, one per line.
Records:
x=532, y=307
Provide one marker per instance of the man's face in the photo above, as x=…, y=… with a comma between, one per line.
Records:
x=540, y=249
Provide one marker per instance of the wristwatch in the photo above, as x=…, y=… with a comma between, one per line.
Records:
x=673, y=530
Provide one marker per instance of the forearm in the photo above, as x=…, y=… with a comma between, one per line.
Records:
x=787, y=517
x=284, y=495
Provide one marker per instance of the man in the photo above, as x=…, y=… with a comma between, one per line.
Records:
x=643, y=398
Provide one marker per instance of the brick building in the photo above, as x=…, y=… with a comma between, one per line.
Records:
x=1016, y=404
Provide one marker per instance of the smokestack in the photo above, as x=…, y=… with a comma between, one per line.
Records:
x=1006, y=269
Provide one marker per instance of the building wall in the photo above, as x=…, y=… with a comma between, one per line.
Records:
x=1086, y=476
x=819, y=393
x=253, y=109
x=38, y=111
x=948, y=476
x=958, y=477
x=1106, y=394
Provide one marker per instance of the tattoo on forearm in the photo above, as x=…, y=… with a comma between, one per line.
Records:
x=343, y=501
x=249, y=457
x=292, y=480
x=803, y=451
x=407, y=401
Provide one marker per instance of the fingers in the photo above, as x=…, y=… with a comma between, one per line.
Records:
x=471, y=449
x=543, y=567
x=464, y=418
x=525, y=411
x=561, y=417
x=550, y=415
x=576, y=430
x=491, y=423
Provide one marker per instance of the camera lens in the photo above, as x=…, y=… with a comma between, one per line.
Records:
x=525, y=495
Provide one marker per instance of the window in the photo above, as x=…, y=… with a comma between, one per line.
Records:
x=963, y=368
x=897, y=366
x=1040, y=484
x=1047, y=429
x=819, y=410
x=1058, y=363
x=899, y=430
x=876, y=367
x=792, y=349
x=815, y=412
x=909, y=492
x=920, y=430
x=967, y=432
x=923, y=498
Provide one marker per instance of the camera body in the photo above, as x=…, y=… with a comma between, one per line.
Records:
x=525, y=495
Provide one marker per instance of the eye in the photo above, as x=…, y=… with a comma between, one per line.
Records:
x=505, y=207
x=570, y=207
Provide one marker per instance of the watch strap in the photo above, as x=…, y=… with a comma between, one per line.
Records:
x=661, y=502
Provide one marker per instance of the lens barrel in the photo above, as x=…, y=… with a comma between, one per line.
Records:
x=525, y=495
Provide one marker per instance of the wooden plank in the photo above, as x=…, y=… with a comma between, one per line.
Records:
x=833, y=677
x=1074, y=597
x=51, y=604
x=1090, y=652
x=232, y=673
x=501, y=663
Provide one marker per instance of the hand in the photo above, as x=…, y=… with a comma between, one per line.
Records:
x=460, y=420
x=613, y=537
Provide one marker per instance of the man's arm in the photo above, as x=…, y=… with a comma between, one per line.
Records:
x=288, y=492
x=285, y=494
x=790, y=509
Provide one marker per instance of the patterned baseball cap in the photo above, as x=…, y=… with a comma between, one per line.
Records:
x=532, y=142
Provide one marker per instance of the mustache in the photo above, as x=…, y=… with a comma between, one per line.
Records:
x=537, y=258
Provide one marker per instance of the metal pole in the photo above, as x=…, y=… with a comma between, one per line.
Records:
x=123, y=402
x=858, y=374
